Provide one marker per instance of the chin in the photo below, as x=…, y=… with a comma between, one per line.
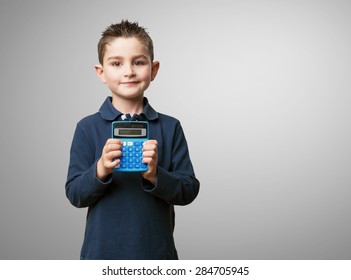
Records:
x=133, y=96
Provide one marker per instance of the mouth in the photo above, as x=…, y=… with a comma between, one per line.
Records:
x=129, y=83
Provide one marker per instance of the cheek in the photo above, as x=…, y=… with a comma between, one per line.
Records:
x=111, y=76
x=146, y=75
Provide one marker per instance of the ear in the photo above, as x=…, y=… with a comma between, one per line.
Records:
x=154, y=70
x=100, y=73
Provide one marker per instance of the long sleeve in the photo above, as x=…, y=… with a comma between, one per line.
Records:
x=83, y=189
x=177, y=184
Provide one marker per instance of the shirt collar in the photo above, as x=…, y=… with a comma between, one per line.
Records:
x=110, y=113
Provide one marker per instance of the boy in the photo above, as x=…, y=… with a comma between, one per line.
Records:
x=130, y=214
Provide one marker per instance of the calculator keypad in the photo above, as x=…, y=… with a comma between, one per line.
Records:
x=132, y=153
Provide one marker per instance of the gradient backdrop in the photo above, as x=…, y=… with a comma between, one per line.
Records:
x=263, y=91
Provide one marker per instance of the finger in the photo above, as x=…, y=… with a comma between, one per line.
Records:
x=111, y=157
x=153, y=143
x=113, y=147
x=148, y=160
x=150, y=147
x=149, y=154
x=113, y=154
x=113, y=141
x=112, y=164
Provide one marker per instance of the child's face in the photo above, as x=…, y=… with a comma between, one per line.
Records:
x=127, y=68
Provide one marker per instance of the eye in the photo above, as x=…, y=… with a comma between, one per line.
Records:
x=139, y=62
x=116, y=63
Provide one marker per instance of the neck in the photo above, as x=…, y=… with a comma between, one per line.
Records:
x=128, y=106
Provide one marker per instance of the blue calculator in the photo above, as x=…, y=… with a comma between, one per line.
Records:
x=133, y=134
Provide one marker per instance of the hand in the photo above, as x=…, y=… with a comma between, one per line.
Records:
x=109, y=158
x=150, y=158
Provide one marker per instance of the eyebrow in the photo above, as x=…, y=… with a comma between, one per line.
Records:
x=121, y=57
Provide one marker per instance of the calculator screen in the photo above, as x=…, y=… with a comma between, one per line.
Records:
x=132, y=129
x=129, y=132
x=132, y=132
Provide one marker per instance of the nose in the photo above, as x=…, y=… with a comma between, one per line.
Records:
x=128, y=70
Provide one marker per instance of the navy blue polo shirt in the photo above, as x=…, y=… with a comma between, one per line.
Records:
x=128, y=217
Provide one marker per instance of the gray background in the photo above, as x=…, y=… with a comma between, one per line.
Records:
x=262, y=89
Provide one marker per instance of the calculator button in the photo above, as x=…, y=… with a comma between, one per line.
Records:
x=131, y=159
